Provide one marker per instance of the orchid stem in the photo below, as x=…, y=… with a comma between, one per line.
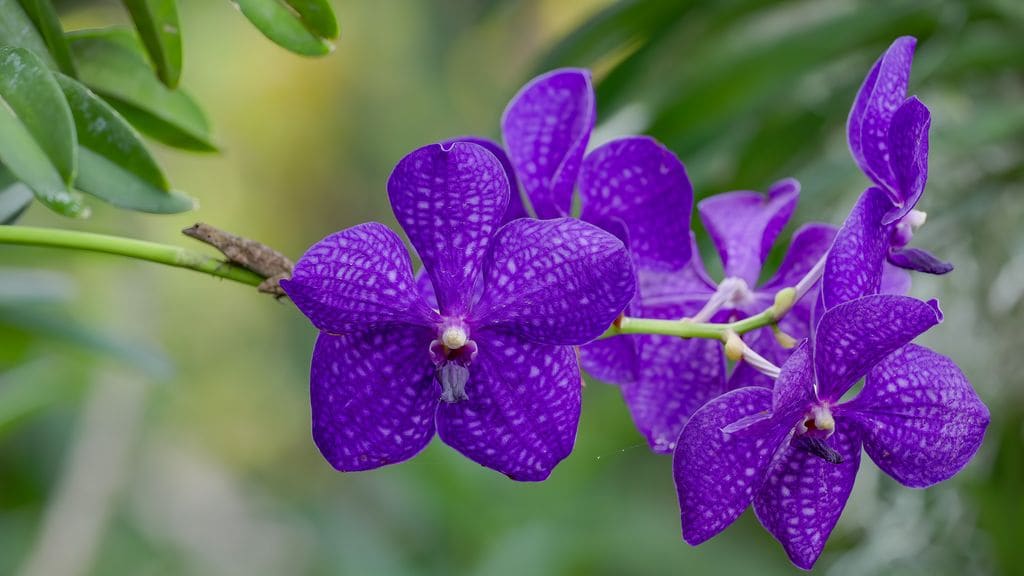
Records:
x=129, y=248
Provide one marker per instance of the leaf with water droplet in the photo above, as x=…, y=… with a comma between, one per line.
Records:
x=38, y=143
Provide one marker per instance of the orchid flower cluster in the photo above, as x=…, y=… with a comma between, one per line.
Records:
x=745, y=383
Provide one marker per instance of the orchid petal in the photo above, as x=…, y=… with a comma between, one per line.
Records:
x=522, y=410
x=373, y=396
x=450, y=201
x=744, y=225
x=856, y=335
x=908, y=155
x=546, y=128
x=357, y=279
x=804, y=495
x=919, y=260
x=558, y=281
x=922, y=421
x=717, y=473
x=641, y=182
x=882, y=93
x=853, y=267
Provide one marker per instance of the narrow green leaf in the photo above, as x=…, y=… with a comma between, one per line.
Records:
x=113, y=163
x=317, y=15
x=157, y=23
x=37, y=134
x=111, y=62
x=16, y=29
x=15, y=197
x=45, y=18
x=296, y=25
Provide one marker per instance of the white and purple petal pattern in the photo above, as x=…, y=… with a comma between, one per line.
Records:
x=744, y=225
x=356, y=279
x=515, y=201
x=612, y=360
x=557, y=281
x=856, y=335
x=881, y=94
x=450, y=201
x=908, y=155
x=546, y=128
x=522, y=410
x=641, y=182
x=373, y=396
x=921, y=419
x=854, y=264
x=718, y=473
x=804, y=495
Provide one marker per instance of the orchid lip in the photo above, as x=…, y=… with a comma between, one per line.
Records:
x=452, y=353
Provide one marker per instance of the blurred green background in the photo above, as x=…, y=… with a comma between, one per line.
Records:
x=154, y=421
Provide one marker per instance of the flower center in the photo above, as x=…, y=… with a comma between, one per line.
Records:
x=731, y=293
x=452, y=353
x=813, y=431
x=903, y=231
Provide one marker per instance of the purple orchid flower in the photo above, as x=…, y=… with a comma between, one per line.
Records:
x=633, y=186
x=888, y=137
x=793, y=452
x=491, y=368
x=665, y=379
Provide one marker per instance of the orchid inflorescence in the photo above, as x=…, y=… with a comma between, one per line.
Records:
x=484, y=345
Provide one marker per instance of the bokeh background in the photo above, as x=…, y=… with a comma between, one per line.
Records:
x=154, y=421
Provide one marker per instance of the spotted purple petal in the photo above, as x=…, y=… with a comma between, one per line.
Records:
x=854, y=264
x=919, y=260
x=643, y=183
x=856, y=335
x=515, y=201
x=675, y=378
x=560, y=281
x=922, y=422
x=882, y=93
x=717, y=473
x=810, y=242
x=546, y=127
x=523, y=407
x=794, y=388
x=744, y=225
x=373, y=396
x=450, y=201
x=691, y=283
x=804, y=495
x=357, y=279
x=612, y=360
x=908, y=155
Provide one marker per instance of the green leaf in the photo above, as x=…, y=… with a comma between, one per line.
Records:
x=15, y=197
x=30, y=388
x=157, y=23
x=16, y=29
x=111, y=62
x=45, y=19
x=301, y=26
x=317, y=16
x=113, y=164
x=37, y=134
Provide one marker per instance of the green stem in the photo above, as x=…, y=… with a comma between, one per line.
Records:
x=138, y=249
x=688, y=329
